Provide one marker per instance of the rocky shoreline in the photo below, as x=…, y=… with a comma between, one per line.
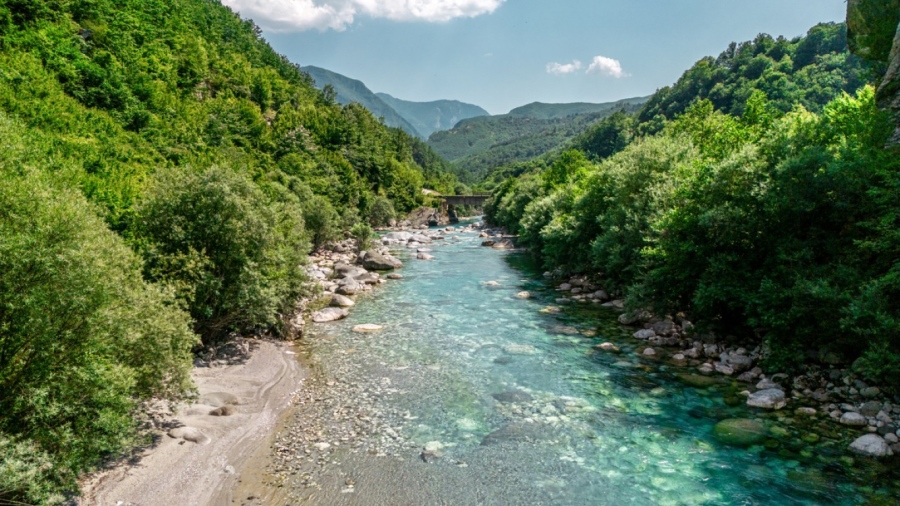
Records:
x=831, y=391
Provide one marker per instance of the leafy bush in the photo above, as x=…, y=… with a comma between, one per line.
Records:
x=83, y=338
x=363, y=234
x=233, y=256
x=381, y=212
x=322, y=221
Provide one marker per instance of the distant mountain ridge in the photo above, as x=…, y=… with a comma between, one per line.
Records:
x=478, y=145
x=430, y=117
x=352, y=90
x=540, y=110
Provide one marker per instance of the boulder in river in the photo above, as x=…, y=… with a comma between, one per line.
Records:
x=425, y=256
x=378, y=262
x=366, y=328
x=771, y=398
x=329, y=314
x=740, y=431
x=871, y=445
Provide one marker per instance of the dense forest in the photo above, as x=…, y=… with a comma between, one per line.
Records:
x=755, y=195
x=163, y=175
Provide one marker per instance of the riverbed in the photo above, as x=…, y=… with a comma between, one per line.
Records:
x=470, y=395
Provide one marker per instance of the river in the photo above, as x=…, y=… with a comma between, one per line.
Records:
x=473, y=396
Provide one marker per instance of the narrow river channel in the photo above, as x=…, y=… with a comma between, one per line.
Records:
x=472, y=396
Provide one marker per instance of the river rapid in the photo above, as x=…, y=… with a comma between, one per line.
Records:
x=473, y=396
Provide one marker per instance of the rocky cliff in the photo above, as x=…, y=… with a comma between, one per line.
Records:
x=873, y=32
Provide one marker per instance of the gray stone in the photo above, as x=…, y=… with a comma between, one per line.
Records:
x=771, y=398
x=853, y=419
x=649, y=352
x=191, y=434
x=724, y=369
x=664, y=328
x=338, y=300
x=223, y=411
x=870, y=408
x=737, y=362
x=329, y=314
x=767, y=384
x=870, y=392
x=644, y=334
x=350, y=288
x=378, y=262
x=424, y=256
x=871, y=445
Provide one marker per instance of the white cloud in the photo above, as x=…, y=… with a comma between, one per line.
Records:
x=563, y=68
x=607, y=66
x=299, y=15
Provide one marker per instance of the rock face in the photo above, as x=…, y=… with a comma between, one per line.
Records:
x=740, y=431
x=871, y=445
x=329, y=314
x=873, y=32
x=771, y=398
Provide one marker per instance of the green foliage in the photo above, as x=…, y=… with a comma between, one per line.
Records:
x=381, y=212
x=233, y=256
x=363, y=234
x=322, y=221
x=777, y=225
x=479, y=145
x=83, y=338
x=810, y=71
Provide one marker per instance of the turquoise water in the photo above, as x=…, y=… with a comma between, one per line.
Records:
x=585, y=427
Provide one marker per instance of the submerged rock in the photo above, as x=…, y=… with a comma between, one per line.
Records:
x=697, y=380
x=367, y=328
x=740, y=431
x=512, y=396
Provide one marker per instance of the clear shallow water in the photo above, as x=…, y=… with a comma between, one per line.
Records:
x=584, y=427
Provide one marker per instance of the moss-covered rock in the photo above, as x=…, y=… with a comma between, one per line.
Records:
x=740, y=431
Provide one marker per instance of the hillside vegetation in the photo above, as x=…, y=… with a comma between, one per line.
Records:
x=755, y=195
x=163, y=175
x=479, y=145
x=346, y=91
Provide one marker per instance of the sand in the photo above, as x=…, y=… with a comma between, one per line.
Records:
x=200, y=459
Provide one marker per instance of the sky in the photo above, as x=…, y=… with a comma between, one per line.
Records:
x=501, y=54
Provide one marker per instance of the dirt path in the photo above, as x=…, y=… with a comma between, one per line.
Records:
x=181, y=472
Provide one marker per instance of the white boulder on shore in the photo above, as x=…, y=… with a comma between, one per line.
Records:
x=771, y=398
x=871, y=445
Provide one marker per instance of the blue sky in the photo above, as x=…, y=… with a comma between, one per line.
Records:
x=500, y=54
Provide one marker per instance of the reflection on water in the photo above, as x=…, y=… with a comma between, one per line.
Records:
x=521, y=408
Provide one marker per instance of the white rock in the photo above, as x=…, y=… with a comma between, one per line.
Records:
x=871, y=445
x=771, y=398
x=329, y=314
x=854, y=419
x=523, y=295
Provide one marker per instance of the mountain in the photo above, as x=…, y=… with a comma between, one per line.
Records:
x=478, y=145
x=430, y=117
x=540, y=110
x=351, y=90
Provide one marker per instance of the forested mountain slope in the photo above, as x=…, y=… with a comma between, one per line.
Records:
x=478, y=145
x=349, y=90
x=163, y=174
x=755, y=196
x=430, y=117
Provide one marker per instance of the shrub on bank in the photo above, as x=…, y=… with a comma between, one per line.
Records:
x=233, y=256
x=83, y=338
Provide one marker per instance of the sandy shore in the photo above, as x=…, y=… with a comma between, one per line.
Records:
x=180, y=472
